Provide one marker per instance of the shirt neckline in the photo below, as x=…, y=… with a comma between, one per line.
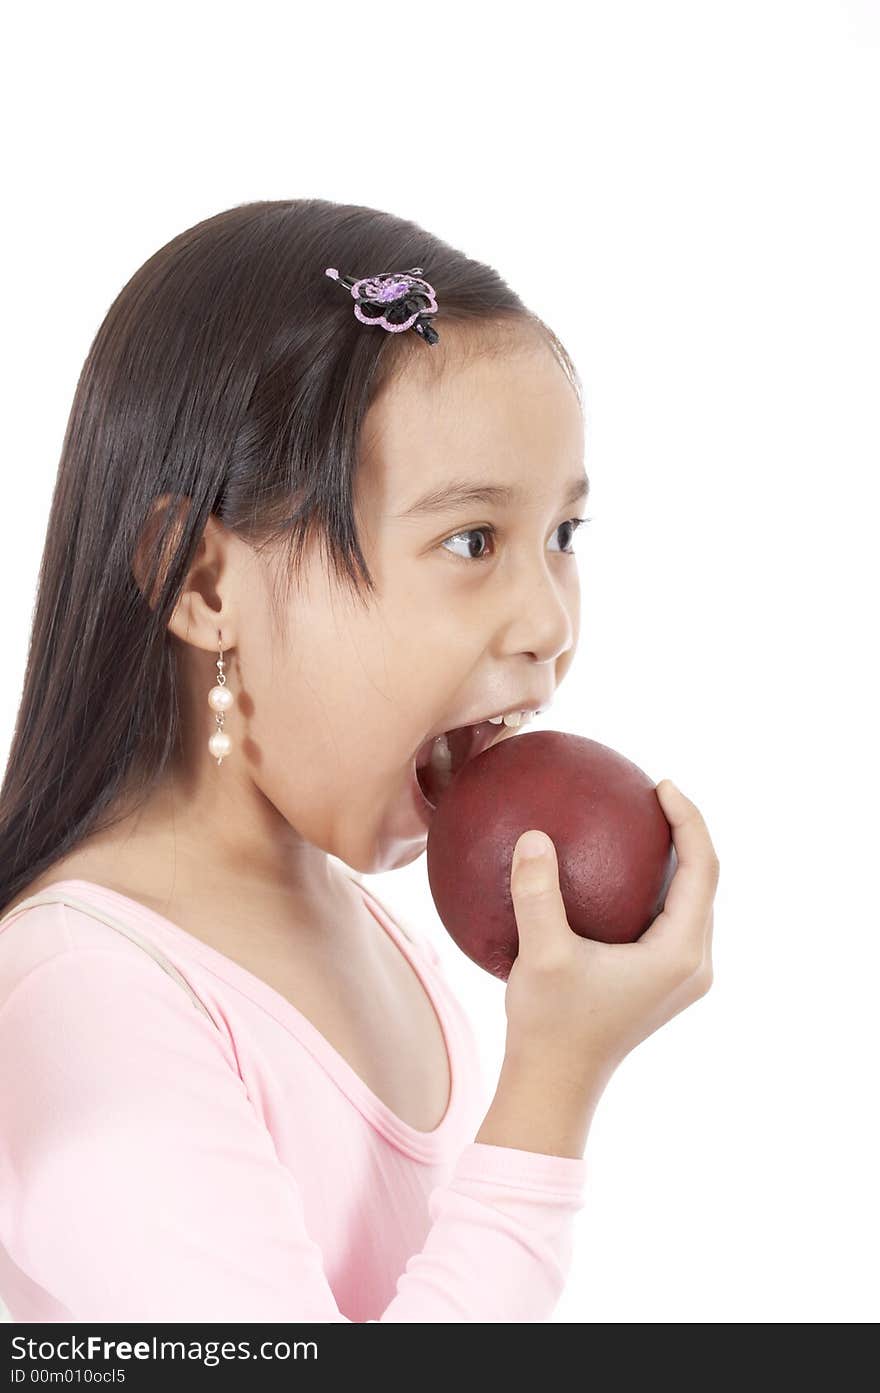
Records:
x=421, y=1146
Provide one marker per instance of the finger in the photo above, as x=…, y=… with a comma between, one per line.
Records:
x=538, y=905
x=691, y=893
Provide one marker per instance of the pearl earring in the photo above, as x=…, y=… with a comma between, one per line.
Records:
x=220, y=700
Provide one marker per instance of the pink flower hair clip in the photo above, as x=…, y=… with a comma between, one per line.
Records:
x=393, y=300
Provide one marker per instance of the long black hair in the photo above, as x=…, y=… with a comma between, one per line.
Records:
x=231, y=374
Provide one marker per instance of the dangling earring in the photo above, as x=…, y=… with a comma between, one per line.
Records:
x=220, y=699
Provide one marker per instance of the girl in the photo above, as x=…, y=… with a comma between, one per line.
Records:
x=240, y=1090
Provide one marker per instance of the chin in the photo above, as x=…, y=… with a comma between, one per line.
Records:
x=388, y=858
x=407, y=855
x=399, y=837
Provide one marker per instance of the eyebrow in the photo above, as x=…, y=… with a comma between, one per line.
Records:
x=460, y=493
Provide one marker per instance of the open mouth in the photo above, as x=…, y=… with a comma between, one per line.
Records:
x=441, y=756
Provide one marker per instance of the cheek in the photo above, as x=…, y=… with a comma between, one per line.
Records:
x=345, y=712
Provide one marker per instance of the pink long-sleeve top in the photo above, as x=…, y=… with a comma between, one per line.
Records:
x=179, y=1143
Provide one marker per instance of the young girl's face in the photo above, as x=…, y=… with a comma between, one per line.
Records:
x=476, y=610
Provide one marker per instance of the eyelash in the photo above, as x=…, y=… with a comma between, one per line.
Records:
x=576, y=523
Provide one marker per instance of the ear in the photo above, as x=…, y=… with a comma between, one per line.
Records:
x=199, y=611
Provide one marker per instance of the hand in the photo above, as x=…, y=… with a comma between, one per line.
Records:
x=587, y=1004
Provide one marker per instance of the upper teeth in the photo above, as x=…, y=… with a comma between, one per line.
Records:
x=513, y=718
x=441, y=755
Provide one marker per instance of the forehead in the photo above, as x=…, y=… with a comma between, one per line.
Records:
x=506, y=412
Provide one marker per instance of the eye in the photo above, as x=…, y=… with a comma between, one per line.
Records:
x=571, y=523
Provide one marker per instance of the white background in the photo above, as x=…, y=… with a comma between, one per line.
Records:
x=688, y=193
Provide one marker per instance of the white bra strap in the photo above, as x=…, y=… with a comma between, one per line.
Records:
x=64, y=897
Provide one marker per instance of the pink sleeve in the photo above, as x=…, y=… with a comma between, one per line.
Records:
x=139, y=1184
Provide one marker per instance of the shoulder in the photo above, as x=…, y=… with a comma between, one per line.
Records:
x=35, y=935
x=62, y=960
x=41, y=923
x=30, y=937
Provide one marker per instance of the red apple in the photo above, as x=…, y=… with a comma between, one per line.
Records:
x=613, y=843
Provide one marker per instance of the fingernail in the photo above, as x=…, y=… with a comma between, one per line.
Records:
x=532, y=844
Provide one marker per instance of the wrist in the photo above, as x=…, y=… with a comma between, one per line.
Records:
x=538, y=1106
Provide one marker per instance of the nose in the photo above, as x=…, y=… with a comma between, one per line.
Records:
x=544, y=613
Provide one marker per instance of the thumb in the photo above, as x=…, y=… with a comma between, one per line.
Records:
x=537, y=899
